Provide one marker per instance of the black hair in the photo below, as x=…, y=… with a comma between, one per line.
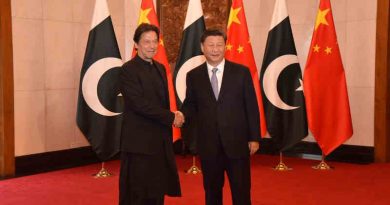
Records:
x=212, y=32
x=142, y=28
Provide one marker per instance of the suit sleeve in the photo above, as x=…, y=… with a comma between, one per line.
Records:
x=189, y=105
x=251, y=106
x=133, y=94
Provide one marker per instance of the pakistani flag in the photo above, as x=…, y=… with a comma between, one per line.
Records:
x=99, y=105
x=281, y=83
x=190, y=56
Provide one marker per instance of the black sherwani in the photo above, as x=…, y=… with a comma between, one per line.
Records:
x=225, y=126
x=148, y=168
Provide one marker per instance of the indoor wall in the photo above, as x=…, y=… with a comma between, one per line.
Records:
x=50, y=36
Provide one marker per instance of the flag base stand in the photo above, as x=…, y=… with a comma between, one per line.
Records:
x=322, y=166
x=193, y=169
x=281, y=166
x=102, y=173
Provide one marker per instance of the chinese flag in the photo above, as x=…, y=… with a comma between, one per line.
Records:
x=148, y=15
x=325, y=88
x=239, y=50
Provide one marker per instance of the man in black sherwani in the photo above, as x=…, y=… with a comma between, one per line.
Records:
x=148, y=169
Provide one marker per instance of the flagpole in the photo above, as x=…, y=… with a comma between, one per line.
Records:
x=281, y=166
x=194, y=169
x=322, y=165
x=190, y=56
x=102, y=173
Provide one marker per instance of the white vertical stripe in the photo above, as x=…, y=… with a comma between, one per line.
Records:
x=194, y=12
x=100, y=13
x=280, y=13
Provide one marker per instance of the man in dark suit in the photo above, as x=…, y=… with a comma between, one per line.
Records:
x=148, y=169
x=221, y=95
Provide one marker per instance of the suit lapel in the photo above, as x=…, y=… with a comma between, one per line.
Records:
x=225, y=80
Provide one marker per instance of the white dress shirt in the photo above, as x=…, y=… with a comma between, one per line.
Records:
x=219, y=73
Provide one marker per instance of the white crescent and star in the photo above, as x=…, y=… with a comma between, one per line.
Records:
x=180, y=82
x=90, y=83
x=270, y=80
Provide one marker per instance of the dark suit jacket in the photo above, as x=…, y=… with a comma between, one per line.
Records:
x=232, y=120
x=147, y=120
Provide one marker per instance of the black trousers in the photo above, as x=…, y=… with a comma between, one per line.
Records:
x=238, y=172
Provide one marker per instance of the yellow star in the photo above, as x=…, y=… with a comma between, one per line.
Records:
x=143, y=16
x=321, y=17
x=233, y=16
x=161, y=42
x=240, y=49
x=328, y=50
x=316, y=48
x=229, y=47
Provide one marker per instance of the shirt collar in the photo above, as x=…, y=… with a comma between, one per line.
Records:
x=140, y=60
x=220, y=66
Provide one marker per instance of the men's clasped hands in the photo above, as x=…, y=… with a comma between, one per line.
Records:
x=179, y=119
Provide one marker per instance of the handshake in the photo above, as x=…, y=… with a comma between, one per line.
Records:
x=179, y=119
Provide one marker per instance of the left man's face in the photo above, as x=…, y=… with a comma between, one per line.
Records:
x=147, y=45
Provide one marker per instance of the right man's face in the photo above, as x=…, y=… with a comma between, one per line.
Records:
x=147, y=45
x=214, y=49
